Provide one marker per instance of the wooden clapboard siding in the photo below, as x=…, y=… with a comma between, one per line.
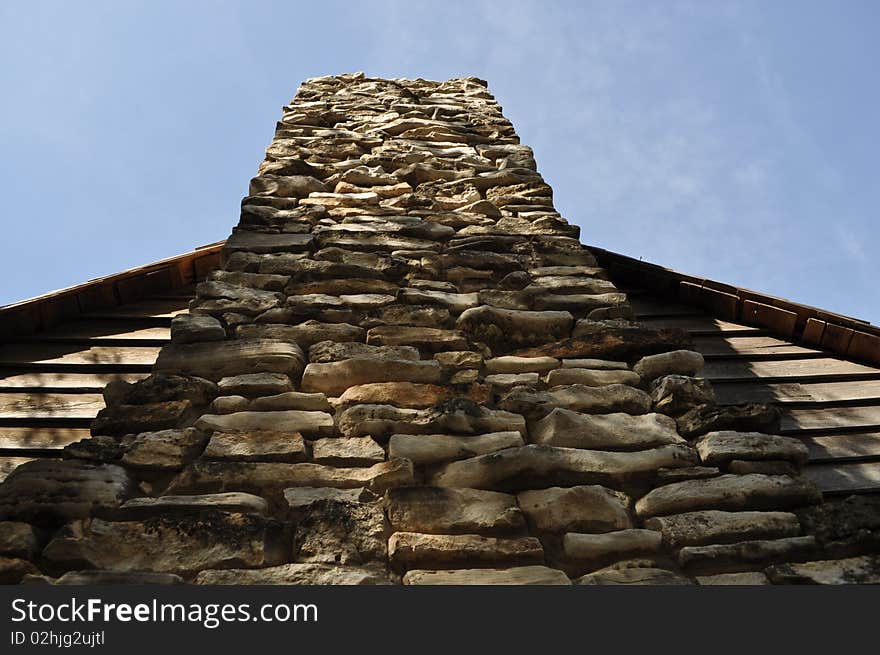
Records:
x=34, y=353
x=38, y=380
x=51, y=382
x=829, y=402
x=845, y=478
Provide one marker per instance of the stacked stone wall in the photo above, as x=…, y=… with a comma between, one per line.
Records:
x=408, y=369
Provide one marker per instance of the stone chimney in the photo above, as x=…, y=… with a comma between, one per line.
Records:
x=408, y=369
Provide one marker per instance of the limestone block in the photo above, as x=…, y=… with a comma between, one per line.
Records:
x=308, y=423
x=437, y=510
x=423, y=449
x=596, y=549
x=729, y=492
x=414, y=550
x=676, y=362
x=616, y=431
x=426, y=339
x=347, y=451
x=750, y=417
x=234, y=502
x=511, y=364
x=611, y=398
x=330, y=351
x=19, y=539
x=458, y=416
x=164, y=450
x=169, y=544
x=537, y=466
x=852, y=570
x=256, y=446
x=297, y=574
x=62, y=489
x=521, y=575
x=516, y=328
x=719, y=448
x=674, y=395
x=340, y=531
x=259, y=477
x=255, y=384
x=633, y=576
x=217, y=360
x=746, y=555
x=588, y=508
x=716, y=527
x=188, y=328
x=334, y=378
x=305, y=334
x=591, y=378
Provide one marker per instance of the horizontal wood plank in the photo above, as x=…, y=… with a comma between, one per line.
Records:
x=143, y=309
x=699, y=325
x=98, y=330
x=762, y=346
x=731, y=393
x=16, y=379
x=806, y=369
x=48, y=353
x=50, y=405
x=859, y=477
x=39, y=438
x=830, y=418
x=825, y=448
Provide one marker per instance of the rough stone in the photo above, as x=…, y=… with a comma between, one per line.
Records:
x=597, y=549
x=13, y=569
x=522, y=575
x=126, y=419
x=591, y=508
x=729, y=492
x=422, y=449
x=537, y=466
x=751, y=417
x=591, y=378
x=717, y=527
x=166, y=544
x=437, y=510
x=426, y=339
x=64, y=489
x=744, y=579
x=852, y=570
x=745, y=555
x=720, y=448
x=257, y=445
x=676, y=362
x=633, y=576
x=146, y=507
x=510, y=364
x=305, y=422
x=348, y=451
x=508, y=327
x=257, y=477
x=19, y=539
x=188, y=328
x=457, y=416
x=339, y=531
x=334, y=378
x=217, y=360
x=252, y=385
x=674, y=395
x=297, y=574
x=399, y=394
x=411, y=549
x=616, y=431
x=164, y=450
x=578, y=398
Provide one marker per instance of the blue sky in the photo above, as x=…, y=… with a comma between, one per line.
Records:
x=733, y=140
